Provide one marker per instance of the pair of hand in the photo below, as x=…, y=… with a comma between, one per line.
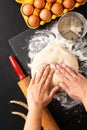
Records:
x=74, y=84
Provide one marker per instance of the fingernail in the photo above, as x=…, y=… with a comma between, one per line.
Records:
x=57, y=66
x=47, y=65
x=64, y=65
x=56, y=71
x=42, y=68
x=60, y=84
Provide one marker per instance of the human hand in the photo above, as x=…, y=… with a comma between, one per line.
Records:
x=38, y=92
x=74, y=84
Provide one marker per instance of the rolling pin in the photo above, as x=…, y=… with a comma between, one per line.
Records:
x=48, y=123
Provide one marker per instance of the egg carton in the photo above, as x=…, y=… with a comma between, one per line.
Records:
x=48, y=6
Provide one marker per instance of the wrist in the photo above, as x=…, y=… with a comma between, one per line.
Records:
x=33, y=109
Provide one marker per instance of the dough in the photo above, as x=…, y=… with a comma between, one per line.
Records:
x=52, y=54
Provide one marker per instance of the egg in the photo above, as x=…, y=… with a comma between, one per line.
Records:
x=33, y=20
x=80, y=1
x=57, y=8
x=45, y=14
x=69, y=4
x=51, y=1
x=39, y=4
x=27, y=9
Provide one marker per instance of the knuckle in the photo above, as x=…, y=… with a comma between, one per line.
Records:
x=49, y=78
x=40, y=85
x=43, y=77
x=75, y=79
x=63, y=71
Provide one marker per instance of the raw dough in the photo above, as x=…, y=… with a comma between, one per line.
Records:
x=52, y=54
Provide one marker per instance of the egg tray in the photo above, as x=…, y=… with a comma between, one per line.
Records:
x=47, y=6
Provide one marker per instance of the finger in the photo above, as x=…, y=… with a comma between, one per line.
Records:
x=45, y=74
x=80, y=75
x=49, y=78
x=64, y=78
x=64, y=72
x=71, y=71
x=39, y=74
x=32, y=81
x=53, y=91
x=64, y=87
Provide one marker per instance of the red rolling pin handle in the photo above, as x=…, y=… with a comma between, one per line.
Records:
x=16, y=67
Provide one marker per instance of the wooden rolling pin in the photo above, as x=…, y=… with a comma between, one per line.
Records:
x=48, y=123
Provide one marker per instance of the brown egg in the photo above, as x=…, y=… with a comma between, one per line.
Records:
x=28, y=9
x=45, y=14
x=39, y=4
x=33, y=20
x=51, y=1
x=80, y=1
x=69, y=4
x=57, y=8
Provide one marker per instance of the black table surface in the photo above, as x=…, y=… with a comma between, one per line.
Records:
x=11, y=24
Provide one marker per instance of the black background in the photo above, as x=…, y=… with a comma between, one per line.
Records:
x=11, y=24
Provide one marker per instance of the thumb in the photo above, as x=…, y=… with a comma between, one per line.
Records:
x=53, y=91
x=64, y=87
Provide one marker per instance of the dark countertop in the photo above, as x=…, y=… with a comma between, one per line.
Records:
x=11, y=24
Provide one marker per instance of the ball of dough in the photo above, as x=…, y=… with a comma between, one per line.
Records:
x=53, y=54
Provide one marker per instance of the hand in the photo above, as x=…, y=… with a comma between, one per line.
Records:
x=38, y=92
x=74, y=84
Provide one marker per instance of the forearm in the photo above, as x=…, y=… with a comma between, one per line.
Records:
x=84, y=101
x=33, y=121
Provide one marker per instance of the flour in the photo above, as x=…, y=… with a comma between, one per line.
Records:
x=42, y=38
x=65, y=100
x=39, y=41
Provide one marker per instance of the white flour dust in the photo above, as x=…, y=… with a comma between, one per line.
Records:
x=45, y=37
